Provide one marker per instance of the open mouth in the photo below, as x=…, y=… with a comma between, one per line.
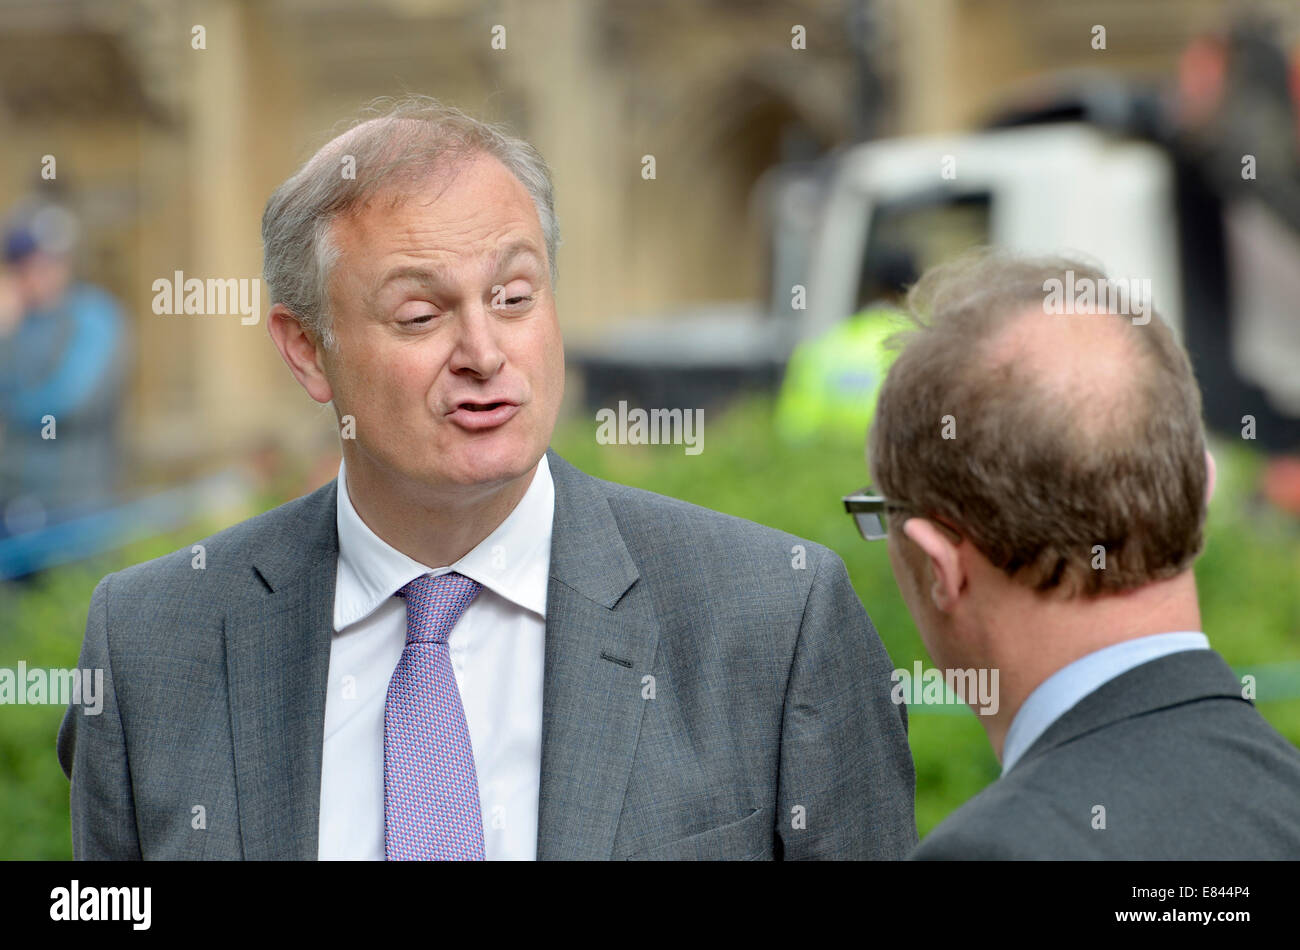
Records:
x=480, y=416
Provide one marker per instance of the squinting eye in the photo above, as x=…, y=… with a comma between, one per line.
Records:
x=419, y=321
x=512, y=295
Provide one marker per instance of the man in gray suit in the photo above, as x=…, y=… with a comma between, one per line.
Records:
x=1042, y=474
x=463, y=647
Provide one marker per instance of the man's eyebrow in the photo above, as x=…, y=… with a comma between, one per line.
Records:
x=420, y=274
x=514, y=249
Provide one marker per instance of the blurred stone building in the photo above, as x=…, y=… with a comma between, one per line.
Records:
x=168, y=152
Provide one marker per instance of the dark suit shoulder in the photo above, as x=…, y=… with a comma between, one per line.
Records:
x=1008, y=820
x=1208, y=778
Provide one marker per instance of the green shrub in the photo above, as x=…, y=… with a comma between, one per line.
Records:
x=1249, y=579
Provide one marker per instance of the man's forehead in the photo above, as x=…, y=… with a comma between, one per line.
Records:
x=440, y=268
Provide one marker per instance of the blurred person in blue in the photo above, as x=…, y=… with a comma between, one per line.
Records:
x=62, y=366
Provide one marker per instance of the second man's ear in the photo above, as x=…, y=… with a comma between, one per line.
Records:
x=947, y=573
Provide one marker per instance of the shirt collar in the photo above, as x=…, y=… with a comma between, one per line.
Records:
x=514, y=561
x=1064, y=688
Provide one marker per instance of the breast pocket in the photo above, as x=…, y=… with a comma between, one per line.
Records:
x=749, y=839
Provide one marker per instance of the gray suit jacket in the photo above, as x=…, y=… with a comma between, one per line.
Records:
x=1184, y=767
x=770, y=731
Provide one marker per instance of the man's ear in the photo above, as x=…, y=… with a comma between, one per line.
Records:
x=301, y=351
x=946, y=569
x=1210, y=474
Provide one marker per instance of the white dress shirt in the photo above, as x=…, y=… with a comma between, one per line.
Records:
x=497, y=651
x=1057, y=694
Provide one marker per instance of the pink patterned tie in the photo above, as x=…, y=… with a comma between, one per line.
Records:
x=431, y=802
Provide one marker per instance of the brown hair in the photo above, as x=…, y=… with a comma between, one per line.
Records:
x=1038, y=475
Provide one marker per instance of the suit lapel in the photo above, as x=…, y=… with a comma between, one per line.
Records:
x=277, y=668
x=600, y=642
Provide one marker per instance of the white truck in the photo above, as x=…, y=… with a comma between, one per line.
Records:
x=1223, y=269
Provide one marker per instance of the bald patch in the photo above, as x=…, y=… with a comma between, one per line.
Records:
x=1090, y=364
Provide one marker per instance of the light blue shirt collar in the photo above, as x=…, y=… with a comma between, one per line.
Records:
x=1064, y=688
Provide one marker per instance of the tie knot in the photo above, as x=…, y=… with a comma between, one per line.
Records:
x=435, y=603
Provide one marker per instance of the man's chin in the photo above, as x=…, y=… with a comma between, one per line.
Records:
x=486, y=467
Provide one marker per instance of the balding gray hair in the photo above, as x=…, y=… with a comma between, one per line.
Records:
x=397, y=143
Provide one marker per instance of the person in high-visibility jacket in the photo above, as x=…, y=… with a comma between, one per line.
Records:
x=832, y=381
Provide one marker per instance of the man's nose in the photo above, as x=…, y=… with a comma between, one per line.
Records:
x=478, y=352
